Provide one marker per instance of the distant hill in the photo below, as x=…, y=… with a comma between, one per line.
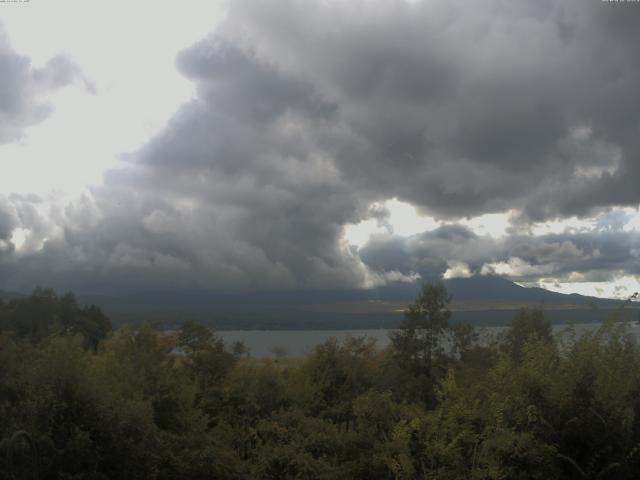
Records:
x=6, y=296
x=485, y=300
x=494, y=288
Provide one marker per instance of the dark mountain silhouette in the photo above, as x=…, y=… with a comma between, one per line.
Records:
x=487, y=299
x=494, y=288
x=482, y=300
x=6, y=296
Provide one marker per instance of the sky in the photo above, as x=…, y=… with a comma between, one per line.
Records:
x=319, y=144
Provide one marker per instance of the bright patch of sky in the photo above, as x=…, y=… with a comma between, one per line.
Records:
x=403, y=220
x=565, y=225
x=491, y=224
x=622, y=287
x=633, y=220
x=126, y=52
x=358, y=234
x=19, y=237
x=617, y=219
x=515, y=267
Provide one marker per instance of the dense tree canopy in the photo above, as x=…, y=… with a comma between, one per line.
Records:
x=78, y=401
x=43, y=312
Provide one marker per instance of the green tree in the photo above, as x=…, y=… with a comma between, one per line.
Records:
x=528, y=325
x=35, y=317
x=418, y=341
x=464, y=338
x=207, y=361
x=194, y=337
x=333, y=376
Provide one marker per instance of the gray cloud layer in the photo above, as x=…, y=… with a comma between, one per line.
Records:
x=23, y=88
x=307, y=112
x=585, y=256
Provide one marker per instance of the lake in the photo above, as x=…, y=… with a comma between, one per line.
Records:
x=294, y=343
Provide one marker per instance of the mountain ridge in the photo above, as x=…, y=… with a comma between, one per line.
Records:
x=338, y=308
x=481, y=300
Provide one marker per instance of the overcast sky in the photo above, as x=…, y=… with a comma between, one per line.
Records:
x=307, y=143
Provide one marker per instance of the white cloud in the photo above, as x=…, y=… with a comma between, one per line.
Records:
x=457, y=270
x=516, y=267
x=621, y=287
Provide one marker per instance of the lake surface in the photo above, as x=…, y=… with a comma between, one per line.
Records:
x=294, y=343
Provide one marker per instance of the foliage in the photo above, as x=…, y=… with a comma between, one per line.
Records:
x=439, y=403
x=528, y=325
x=43, y=312
x=418, y=343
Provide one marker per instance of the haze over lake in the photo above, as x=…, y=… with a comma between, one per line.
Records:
x=295, y=343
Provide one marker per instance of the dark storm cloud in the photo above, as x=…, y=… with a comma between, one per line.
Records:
x=306, y=113
x=22, y=88
x=425, y=254
x=464, y=109
x=429, y=253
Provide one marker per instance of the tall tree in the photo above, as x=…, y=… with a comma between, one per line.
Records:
x=527, y=325
x=418, y=341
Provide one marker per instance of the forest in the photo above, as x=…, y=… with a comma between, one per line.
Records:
x=81, y=400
